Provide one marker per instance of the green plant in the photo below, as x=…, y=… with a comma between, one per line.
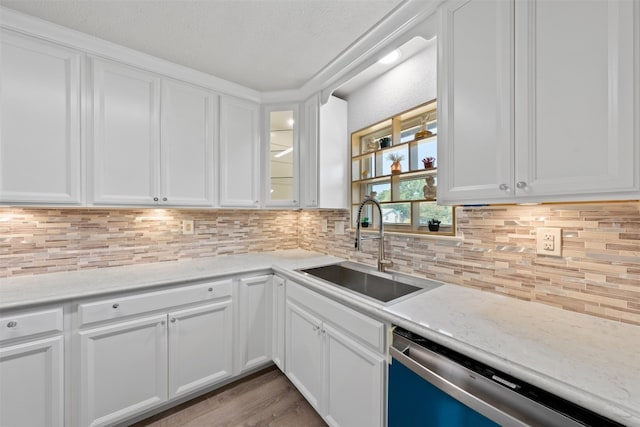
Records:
x=365, y=219
x=395, y=157
x=434, y=221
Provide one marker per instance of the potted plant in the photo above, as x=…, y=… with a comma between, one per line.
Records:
x=365, y=221
x=396, y=166
x=429, y=162
x=434, y=224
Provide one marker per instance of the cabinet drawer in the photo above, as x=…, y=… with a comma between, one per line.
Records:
x=117, y=306
x=358, y=325
x=24, y=324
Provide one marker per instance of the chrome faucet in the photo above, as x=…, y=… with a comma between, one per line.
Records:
x=382, y=263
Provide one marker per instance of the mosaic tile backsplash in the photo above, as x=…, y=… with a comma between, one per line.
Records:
x=598, y=273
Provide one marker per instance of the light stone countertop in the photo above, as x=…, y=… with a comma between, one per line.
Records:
x=591, y=361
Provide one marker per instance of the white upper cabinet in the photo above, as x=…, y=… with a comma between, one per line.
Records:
x=125, y=149
x=539, y=101
x=186, y=148
x=152, y=139
x=40, y=114
x=575, y=92
x=309, y=153
x=280, y=153
x=239, y=152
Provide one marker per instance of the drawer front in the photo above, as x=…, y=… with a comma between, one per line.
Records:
x=24, y=324
x=359, y=326
x=117, y=307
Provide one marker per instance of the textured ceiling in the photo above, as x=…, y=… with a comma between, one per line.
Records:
x=266, y=45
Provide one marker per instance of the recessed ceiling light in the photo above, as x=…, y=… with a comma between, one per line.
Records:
x=390, y=58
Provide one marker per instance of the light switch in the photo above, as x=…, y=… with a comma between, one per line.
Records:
x=549, y=241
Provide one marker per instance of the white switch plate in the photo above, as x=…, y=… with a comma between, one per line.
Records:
x=187, y=226
x=549, y=241
x=324, y=226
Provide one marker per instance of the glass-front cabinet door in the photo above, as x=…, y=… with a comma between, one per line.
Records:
x=281, y=155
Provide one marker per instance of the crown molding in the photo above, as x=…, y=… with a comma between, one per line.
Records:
x=48, y=31
x=409, y=19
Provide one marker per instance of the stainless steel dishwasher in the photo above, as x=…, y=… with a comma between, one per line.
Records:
x=431, y=385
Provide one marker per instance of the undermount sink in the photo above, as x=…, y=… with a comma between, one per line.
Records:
x=384, y=287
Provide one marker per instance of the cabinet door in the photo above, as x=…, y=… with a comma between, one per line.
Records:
x=254, y=322
x=200, y=347
x=309, y=153
x=123, y=370
x=475, y=105
x=304, y=354
x=575, y=94
x=333, y=153
x=239, y=152
x=279, y=313
x=40, y=116
x=125, y=143
x=31, y=384
x=354, y=378
x=187, y=144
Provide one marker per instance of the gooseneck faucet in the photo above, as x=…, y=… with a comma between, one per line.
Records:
x=382, y=263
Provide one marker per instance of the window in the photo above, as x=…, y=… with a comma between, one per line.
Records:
x=394, y=161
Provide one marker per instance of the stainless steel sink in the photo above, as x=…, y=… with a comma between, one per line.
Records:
x=384, y=287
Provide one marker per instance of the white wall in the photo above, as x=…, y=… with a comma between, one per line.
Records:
x=410, y=84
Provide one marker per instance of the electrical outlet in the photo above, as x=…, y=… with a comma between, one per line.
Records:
x=549, y=241
x=324, y=226
x=187, y=226
x=339, y=228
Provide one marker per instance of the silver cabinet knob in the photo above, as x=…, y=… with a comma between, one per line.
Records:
x=164, y=199
x=116, y=305
x=155, y=199
x=174, y=320
x=12, y=324
x=521, y=185
x=504, y=187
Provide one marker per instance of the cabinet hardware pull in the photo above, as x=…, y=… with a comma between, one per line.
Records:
x=116, y=305
x=155, y=199
x=12, y=324
x=521, y=185
x=164, y=199
x=504, y=187
x=174, y=320
x=210, y=289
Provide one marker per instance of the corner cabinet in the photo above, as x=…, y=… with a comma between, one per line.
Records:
x=139, y=155
x=539, y=101
x=40, y=114
x=335, y=356
x=239, y=153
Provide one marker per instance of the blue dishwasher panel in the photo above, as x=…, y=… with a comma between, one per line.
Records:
x=414, y=402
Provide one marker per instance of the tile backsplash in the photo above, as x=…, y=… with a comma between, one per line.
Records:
x=34, y=241
x=598, y=273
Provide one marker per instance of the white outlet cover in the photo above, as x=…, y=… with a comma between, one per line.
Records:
x=549, y=241
x=339, y=227
x=324, y=226
x=187, y=226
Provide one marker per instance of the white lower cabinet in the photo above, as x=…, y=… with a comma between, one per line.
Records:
x=254, y=322
x=304, y=353
x=278, y=310
x=342, y=377
x=133, y=353
x=200, y=347
x=123, y=370
x=32, y=368
x=31, y=383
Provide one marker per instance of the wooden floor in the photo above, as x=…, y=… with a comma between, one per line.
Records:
x=266, y=398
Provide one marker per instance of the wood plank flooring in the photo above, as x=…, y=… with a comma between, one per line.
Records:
x=266, y=398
